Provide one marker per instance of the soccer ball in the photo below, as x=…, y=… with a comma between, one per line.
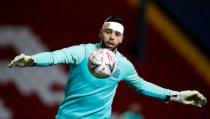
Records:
x=102, y=63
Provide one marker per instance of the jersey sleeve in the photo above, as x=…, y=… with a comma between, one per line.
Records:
x=70, y=55
x=144, y=87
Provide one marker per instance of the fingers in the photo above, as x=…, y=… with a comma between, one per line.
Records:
x=193, y=98
x=201, y=99
x=16, y=60
x=192, y=102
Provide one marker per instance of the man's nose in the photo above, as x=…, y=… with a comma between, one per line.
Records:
x=112, y=35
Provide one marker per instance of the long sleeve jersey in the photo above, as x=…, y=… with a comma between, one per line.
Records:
x=87, y=96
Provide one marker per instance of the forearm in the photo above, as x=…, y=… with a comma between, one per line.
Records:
x=154, y=91
x=149, y=89
x=70, y=55
x=43, y=59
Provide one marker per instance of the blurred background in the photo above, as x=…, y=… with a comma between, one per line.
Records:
x=167, y=40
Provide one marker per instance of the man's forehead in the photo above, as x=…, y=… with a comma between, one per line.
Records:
x=107, y=26
x=113, y=26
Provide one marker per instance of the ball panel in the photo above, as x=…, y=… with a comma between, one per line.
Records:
x=102, y=63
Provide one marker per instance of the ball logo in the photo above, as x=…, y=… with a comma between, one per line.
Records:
x=116, y=74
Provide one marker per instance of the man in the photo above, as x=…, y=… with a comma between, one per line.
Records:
x=89, y=97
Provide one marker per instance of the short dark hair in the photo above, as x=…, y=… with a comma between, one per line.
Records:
x=114, y=19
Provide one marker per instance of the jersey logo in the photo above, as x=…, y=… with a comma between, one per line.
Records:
x=116, y=74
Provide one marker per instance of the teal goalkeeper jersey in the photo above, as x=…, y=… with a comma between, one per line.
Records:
x=87, y=96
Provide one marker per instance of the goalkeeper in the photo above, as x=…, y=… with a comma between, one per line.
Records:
x=87, y=97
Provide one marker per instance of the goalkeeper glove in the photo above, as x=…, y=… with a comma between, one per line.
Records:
x=22, y=60
x=189, y=98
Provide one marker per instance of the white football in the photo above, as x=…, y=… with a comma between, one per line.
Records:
x=102, y=63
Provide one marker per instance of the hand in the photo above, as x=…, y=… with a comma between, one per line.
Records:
x=21, y=60
x=189, y=98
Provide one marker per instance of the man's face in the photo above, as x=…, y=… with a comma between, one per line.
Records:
x=110, y=38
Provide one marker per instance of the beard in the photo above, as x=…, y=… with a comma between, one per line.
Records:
x=109, y=45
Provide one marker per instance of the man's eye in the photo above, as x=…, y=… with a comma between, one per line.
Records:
x=118, y=34
x=108, y=31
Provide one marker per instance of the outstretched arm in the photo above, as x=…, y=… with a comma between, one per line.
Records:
x=146, y=88
x=187, y=97
x=70, y=55
x=41, y=59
